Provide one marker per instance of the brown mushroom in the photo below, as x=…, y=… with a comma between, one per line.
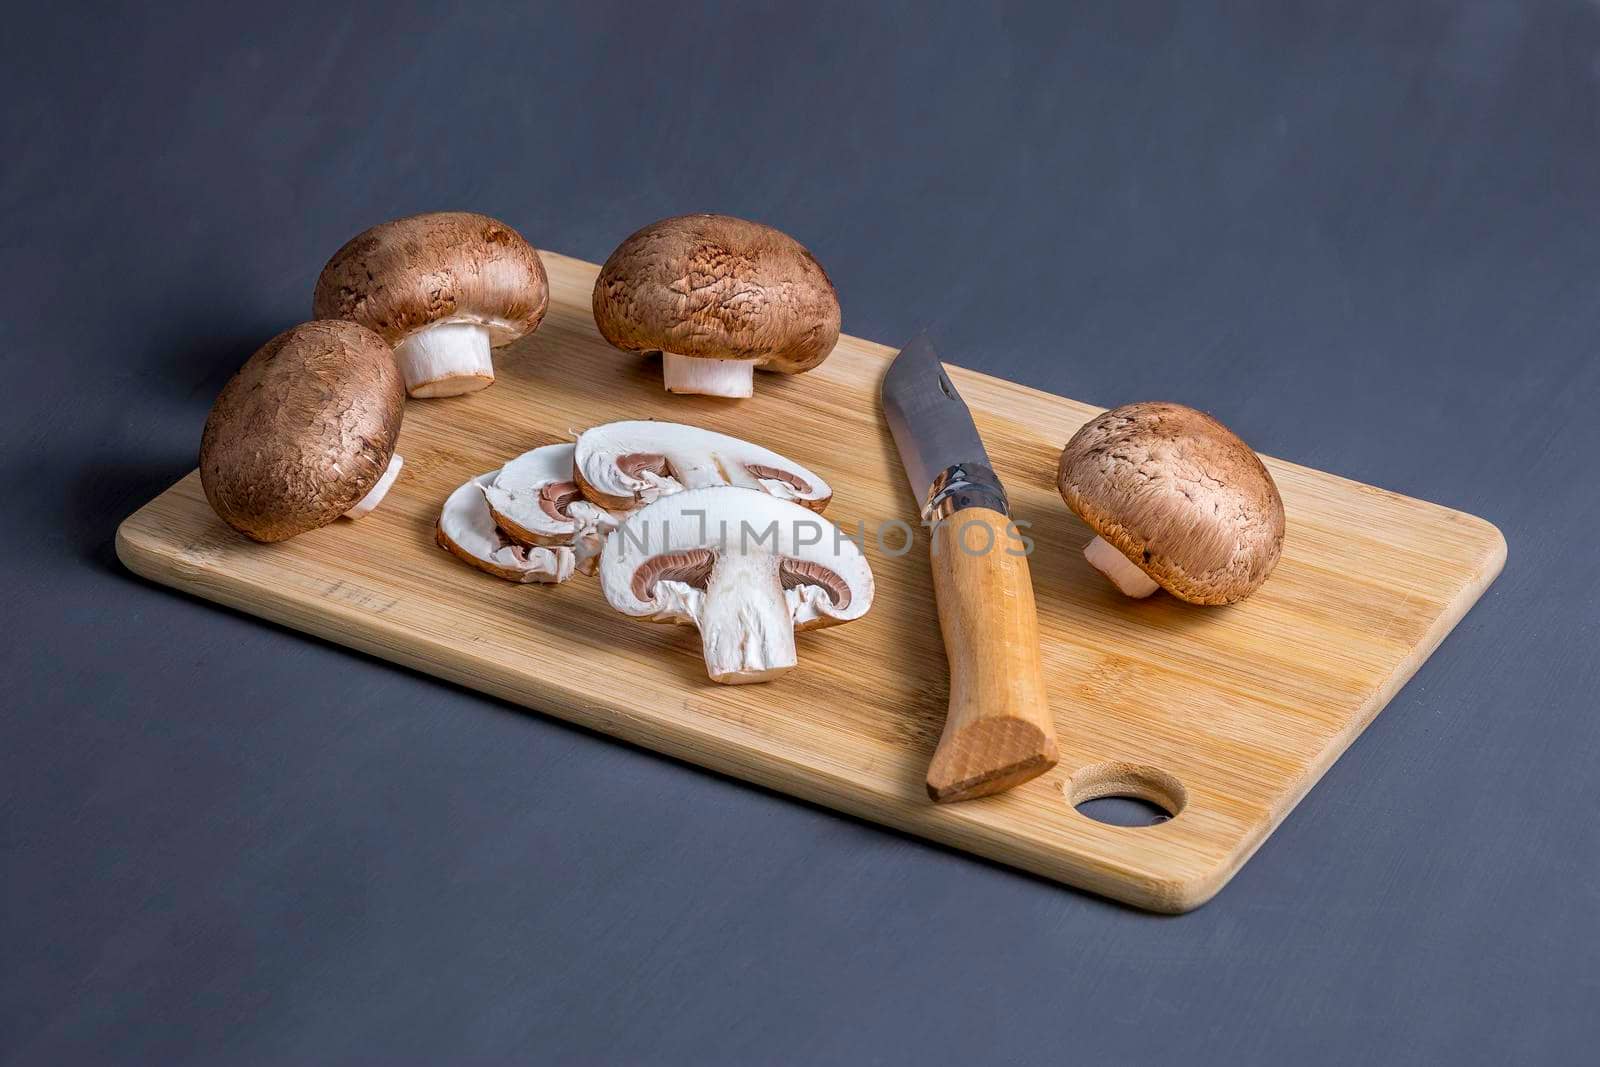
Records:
x=304, y=432
x=443, y=289
x=1176, y=501
x=717, y=297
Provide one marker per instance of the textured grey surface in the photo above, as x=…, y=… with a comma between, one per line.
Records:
x=1367, y=236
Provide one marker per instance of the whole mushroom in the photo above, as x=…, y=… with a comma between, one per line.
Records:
x=717, y=297
x=304, y=432
x=442, y=288
x=1177, y=502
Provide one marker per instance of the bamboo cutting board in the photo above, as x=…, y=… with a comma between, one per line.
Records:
x=1224, y=716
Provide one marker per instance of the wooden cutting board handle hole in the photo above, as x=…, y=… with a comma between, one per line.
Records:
x=1131, y=781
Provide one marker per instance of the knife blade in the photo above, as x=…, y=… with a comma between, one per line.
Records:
x=998, y=730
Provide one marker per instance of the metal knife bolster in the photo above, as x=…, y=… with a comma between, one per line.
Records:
x=965, y=485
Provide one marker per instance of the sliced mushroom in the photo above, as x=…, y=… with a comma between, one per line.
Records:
x=1177, y=502
x=623, y=465
x=467, y=530
x=717, y=297
x=746, y=569
x=304, y=432
x=535, y=501
x=443, y=288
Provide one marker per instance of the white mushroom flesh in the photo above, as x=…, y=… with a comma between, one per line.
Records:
x=446, y=359
x=1124, y=574
x=375, y=495
x=535, y=502
x=467, y=530
x=745, y=568
x=708, y=377
x=746, y=630
x=626, y=464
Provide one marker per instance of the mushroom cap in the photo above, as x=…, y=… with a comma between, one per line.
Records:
x=408, y=274
x=824, y=577
x=303, y=431
x=1180, y=495
x=717, y=287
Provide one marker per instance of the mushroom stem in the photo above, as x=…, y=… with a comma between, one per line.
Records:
x=448, y=359
x=708, y=377
x=1105, y=558
x=746, y=631
x=375, y=495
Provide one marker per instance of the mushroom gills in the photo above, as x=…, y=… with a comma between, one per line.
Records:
x=1123, y=572
x=623, y=465
x=708, y=377
x=741, y=611
x=748, y=570
x=446, y=359
x=375, y=495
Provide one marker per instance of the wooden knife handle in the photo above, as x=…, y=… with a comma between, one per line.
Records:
x=998, y=732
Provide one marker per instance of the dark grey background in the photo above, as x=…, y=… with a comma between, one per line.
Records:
x=1368, y=236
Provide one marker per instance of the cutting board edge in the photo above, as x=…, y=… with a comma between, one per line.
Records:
x=139, y=548
x=1197, y=891
x=161, y=543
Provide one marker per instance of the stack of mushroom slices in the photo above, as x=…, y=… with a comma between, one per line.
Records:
x=684, y=525
x=541, y=539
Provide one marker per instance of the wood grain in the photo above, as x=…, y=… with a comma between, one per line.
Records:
x=998, y=731
x=1225, y=715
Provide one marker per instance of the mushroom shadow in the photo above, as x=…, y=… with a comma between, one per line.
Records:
x=81, y=503
x=174, y=376
x=100, y=496
x=189, y=364
x=180, y=339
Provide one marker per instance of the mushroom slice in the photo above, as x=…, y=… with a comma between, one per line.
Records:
x=746, y=569
x=304, y=432
x=1176, y=500
x=717, y=297
x=466, y=530
x=443, y=288
x=535, y=502
x=622, y=465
